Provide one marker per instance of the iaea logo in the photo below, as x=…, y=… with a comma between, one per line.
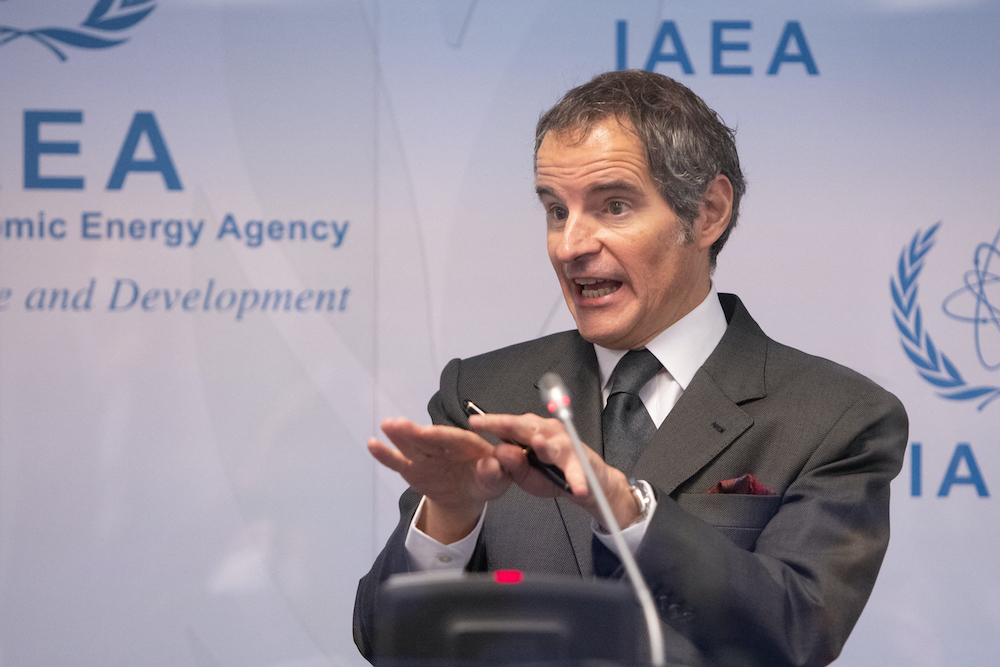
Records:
x=102, y=28
x=969, y=304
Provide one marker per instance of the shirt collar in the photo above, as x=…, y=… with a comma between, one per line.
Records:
x=682, y=347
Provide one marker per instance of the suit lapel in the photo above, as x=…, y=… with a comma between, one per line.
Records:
x=702, y=424
x=707, y=418
x=580, y=371
x=581, y=374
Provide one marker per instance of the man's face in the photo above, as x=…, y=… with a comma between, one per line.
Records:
x=618, y=248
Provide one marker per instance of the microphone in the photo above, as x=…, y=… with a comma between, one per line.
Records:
x=557, y=400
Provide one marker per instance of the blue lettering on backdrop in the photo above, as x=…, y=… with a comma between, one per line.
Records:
x=144, y=123
x=34, y=148
x=42, y=298
x=128, y=294
x=621, y=45
x=916, y=469
x=128, y=284
x=963, y=452
x=255, y=232
x=29, y=228
x=656, y=55
x=678, y=53
x=174, y=232
x=88, y=227
x=719, y=45
x=781, y=55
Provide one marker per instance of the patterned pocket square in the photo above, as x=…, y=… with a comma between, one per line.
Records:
x=744, y=484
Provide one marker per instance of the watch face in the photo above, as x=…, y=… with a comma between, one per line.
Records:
x=641, y=498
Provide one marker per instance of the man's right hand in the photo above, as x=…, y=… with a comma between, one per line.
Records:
x=455, y=469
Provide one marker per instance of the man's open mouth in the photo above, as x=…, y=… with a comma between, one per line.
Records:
x=592, y=288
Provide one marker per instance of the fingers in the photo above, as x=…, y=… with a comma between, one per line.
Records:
x=492, y=476
x=550, y=442
x=387, y=456
x=514, y=428
x=435, y=442
x=453, y=468
x=515, y=462
x=558, y=449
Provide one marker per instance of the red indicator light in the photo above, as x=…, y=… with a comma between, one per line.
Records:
x=508, y=576
x=565, y=399
x=552, y=406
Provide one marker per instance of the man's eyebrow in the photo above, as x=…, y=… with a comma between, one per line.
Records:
x=619, y=185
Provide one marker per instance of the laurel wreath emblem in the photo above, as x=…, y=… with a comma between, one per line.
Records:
x=931, y=364
x=105, y=21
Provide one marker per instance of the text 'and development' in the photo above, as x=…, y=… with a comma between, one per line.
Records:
x=124, y=295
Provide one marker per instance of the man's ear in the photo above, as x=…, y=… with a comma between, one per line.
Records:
x=714, y=212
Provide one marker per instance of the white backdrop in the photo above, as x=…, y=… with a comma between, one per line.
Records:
x=236, y=234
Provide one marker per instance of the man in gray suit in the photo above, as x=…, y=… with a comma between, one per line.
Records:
x=761, y=512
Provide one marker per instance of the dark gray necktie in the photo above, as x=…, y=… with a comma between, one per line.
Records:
x=625, y=422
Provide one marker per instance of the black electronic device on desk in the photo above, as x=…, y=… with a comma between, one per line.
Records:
x=507, y=618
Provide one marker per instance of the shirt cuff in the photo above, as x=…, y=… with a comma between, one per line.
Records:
x=425, y=554
x=633, y=534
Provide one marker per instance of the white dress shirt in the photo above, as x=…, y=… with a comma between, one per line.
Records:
x=682, y=349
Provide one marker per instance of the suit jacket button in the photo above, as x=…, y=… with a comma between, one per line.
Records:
x=674, y=611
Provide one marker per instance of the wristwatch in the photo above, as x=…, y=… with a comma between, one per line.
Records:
x=640, y=491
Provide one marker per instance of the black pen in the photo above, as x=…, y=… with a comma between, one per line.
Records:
x=551, y=472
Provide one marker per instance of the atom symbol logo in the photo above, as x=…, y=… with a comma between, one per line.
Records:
x=931, y=363
x=973, y=304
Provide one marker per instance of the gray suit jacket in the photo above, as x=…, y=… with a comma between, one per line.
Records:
x=738, y=579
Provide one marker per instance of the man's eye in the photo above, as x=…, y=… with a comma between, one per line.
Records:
x=617, y=207
x=558, y=213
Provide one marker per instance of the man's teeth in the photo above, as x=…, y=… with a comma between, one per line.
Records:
x=594, y=293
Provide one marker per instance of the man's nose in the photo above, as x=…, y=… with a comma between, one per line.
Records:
x=578, y=238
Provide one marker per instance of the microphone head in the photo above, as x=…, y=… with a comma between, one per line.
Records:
x=551, y=382
x=554, y=393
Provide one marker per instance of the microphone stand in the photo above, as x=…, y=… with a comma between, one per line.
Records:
x=556, y=397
